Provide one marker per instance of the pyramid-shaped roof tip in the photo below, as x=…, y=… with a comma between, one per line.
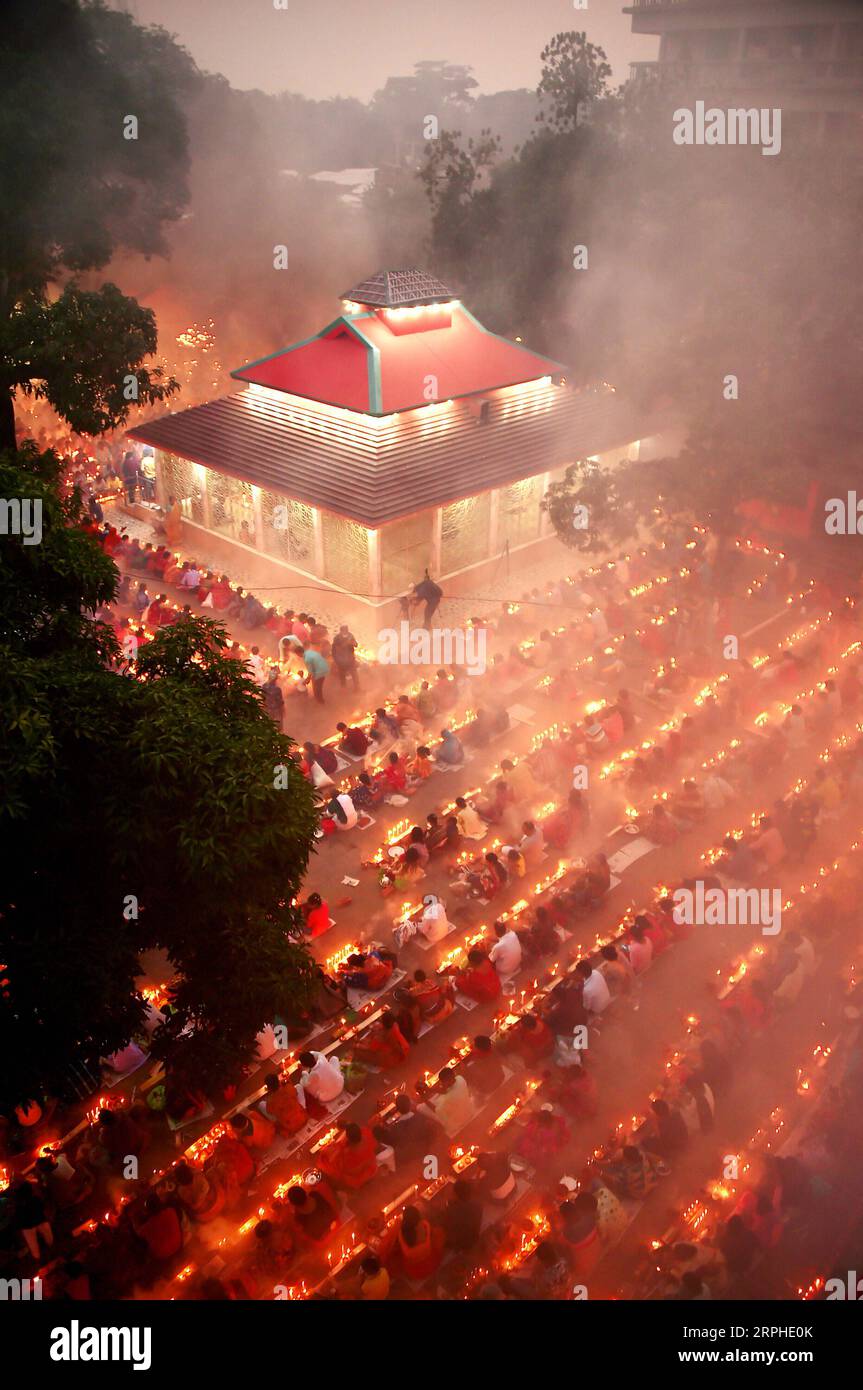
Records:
x=392, y=289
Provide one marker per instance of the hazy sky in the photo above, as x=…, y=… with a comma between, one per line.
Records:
x=325, y=48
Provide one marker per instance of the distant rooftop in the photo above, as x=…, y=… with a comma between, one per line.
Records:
x=392, y=289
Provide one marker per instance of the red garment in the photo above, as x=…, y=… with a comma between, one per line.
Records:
x=480, y=982
x=351, y=1165
x=235, y=1157
x=163, y=1234
x=535, y=1043
x=388, y=1048
x=317, y=918
x=557, y=830
x=656, y=934
x=376, y=971
x=222, y=595
x=395, y=776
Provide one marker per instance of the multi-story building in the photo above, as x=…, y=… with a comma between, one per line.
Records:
x=803, y=56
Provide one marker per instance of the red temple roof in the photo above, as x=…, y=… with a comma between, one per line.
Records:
x=388, y=360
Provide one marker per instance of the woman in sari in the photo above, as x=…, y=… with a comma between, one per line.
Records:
x=414, y=1245
x=351, y=1161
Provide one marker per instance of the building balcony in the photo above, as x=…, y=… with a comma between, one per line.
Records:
x=760, y=74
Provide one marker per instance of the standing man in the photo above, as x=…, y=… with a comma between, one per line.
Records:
x=318, y=668
x=430, y=594
x=345, y=656
x=131, y=475
x=273, y=697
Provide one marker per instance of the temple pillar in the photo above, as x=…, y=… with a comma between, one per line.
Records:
x=376, y=582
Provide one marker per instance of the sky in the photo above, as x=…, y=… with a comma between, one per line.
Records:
x=326, y=48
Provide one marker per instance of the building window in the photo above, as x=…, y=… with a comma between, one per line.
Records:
x=406, y=551
x=231, y=509
x=346, y=553
x=465, y=532
x=185, y=482
x=518, y=514
x=288, y=530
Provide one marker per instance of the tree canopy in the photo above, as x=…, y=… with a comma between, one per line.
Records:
x=141, y=811
x=78, y=181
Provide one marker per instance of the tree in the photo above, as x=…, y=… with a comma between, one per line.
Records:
x=74, y=188
x=140, y=812
x=574, y=72
x=591, y=509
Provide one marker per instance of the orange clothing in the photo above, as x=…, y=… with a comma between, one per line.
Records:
x=350, y=1165
x=284, y=1108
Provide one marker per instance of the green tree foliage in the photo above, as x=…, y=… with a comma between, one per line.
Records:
x=73, y=190
x=139, y=812
x=574, y=73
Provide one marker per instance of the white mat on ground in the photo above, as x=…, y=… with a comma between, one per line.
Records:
x=628, y=854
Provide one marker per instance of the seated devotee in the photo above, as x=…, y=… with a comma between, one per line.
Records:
x=442, y=835
x=232, y=1164
x=282, y=1105
x=495, y=1178
x=519, y=778
x=314, y=1212
x=638, y=949
x=575, y=1089
x=426, y=702
x=462, y=1217
x=565, y=1009
x=658, y=825
x=394, y=775
x=654, y=932
x=544, y=1137
x=768, y=846
x=383, y=1045
x=737, y=861
x=616, y=970
x=417, y=840
x=530, y=1038
x=596, y=995
x=272, y=1253
x=316, y=913
x=366, y=793
x=669, y=1135
x=420, y=767
x=406, y=866
x=254, y=1130
x=592, y=883
x=493, y=874
x=471, y=826
x=414, y=1245
x=410, y=1129
x=578, y=1224
x=541, y=938
x=688, y=804
x=201, y=1195
x=506, y=953
x=369, y=970
x=450, y=751
x=531, y=844
x=633, y=1172
x=493, y=810
x=483, y=1068
x=161, y=1229
x=478, y=980
x=353, y=740
x=450, y=1101
x=321, y=1077
x=434, y=924
x=351, y=1160
x=434, y=994
x=343, y=811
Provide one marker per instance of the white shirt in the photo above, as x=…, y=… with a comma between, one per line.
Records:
x=471, y=824
x=433, y=923
x=596, y=993
x=505, y=954
x=716, y=791
x=324, y=1080
x=350, y=811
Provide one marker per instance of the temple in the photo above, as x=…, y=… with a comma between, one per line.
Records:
x=403, y=435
